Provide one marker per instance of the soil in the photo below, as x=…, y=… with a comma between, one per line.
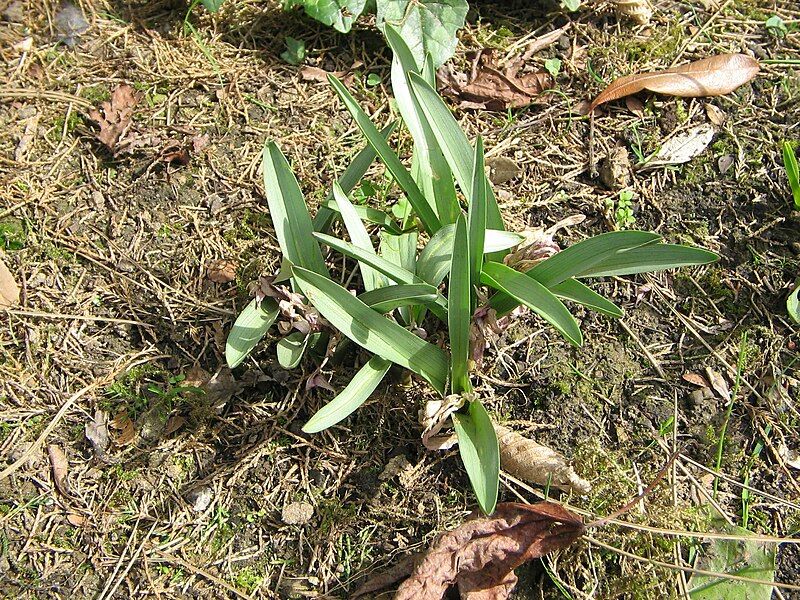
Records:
x=119, y=324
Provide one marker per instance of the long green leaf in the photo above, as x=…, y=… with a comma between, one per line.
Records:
x=388, y=298
x=454, y=144
x=653, y=257
x=480, y=453
x=497, y=240
x=793, y=304
x=291, y=348
x=476, y=214
x=571, y=261
x=372, y=331
x=391, y=270
x=459, y=302
x=587, y=253
x=535, y=296
x=348, y=180
x=251, y=325
x=426, y=214
x=434, y=260
x=430, y=169
x=359, y=236
x=402, y=250
x=574, y=290
x=289, y=214
x=351, y=397
x=792, y=172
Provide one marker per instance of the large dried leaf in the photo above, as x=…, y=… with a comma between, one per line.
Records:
x=713, y=76
x=492, y=87
x=480, y=556
x=526, y=459
x=60, y=466
x=9, y=290
x=114, y=116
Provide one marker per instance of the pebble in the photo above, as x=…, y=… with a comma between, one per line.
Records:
x=200, y=498
x=297, y=513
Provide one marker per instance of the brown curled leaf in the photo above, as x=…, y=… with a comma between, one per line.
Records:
x=60, y=466
x=713, y=76
x=528, y=460
x=9, y=290
x=114, y=116
x=481, y=555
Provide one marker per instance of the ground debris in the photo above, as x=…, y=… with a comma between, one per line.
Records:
x=70, y=24
x=9, y=290
x=297, y=513
x=492, y=87
x=526, y=459
x=480, y=556
x=200, y=498
x=96, y=432
x=115, y=118
x=60, y=466
x=638, y=11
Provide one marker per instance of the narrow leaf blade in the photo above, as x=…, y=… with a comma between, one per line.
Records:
x=351, y=397
x=372, y=331
x=459, y=301
x=359, y=236
x=291, y=348
x=535, y=296
x=476, y=214
x=574, y=290
x=388, y=298
x=655, y=257
x=480, y=453
x=251, y=325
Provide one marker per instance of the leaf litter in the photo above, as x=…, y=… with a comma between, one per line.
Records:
x=9, y=290
x=714, y=76
x=480, y=555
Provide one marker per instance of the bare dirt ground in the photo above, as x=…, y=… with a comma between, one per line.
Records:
x=119, y=317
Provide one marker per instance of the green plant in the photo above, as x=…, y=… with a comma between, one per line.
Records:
x=776, y=27
x=792, y=172
x=401, y=294
x=295, y=52
x=623, y=212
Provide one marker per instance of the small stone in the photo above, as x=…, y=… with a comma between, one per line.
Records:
x=297, y=513
x=200, y=498
x=615, y=169
x=502, y=169
x=725, y=163
x=795, y=246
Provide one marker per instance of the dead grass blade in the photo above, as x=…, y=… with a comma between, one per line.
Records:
x=715, y=76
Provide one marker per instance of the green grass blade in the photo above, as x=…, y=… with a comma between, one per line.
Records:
x=348, y=180
x=388, y=298
x=251, y=325
x=574, y=290
x=793, y=304
x=372, y=331
x=424, y=211
x=535, y=296
x=792, y=172
x=459, y=303
x=351, y=397
x=291, y=348
x=476, y=214
x=480, y=453
x=454, y=144
x=359, y=236
x=289, y=214
x=402, y=250
x=654, y=257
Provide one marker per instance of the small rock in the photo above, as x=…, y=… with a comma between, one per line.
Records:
x=697, y=397
x=200, y=498
x=795, y=246
x=725, y=163
x=297, y=513
x=502, y=169
x=615, y=169
x=396, y=466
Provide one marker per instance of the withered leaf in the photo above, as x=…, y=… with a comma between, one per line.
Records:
x=114, y=116
x=530, y=461
x=60, y=466
x=491, y=88
x=718, y=383
x=713, y=76
x=695, y=379
x=122, y=422
x=481, y=555
x=221, y=270
x=97, y=432
x=9, y=290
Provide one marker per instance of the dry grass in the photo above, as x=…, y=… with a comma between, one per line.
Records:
x=111, y=255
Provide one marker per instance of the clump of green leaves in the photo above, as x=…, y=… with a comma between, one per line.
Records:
x=623, y=211
x=401, y=292
x=295, y=52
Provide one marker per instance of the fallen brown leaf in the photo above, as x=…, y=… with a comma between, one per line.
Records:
x=491, y=88
x=718, y=383
x=713, y=76
x=97, y=433
x=221, y=270
x=115, y=118
x=526, y=459
x=695, y=379
x=60, y=466
x=76, y=520
x=122, y=423
x=480, y=556
x=9, y=290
